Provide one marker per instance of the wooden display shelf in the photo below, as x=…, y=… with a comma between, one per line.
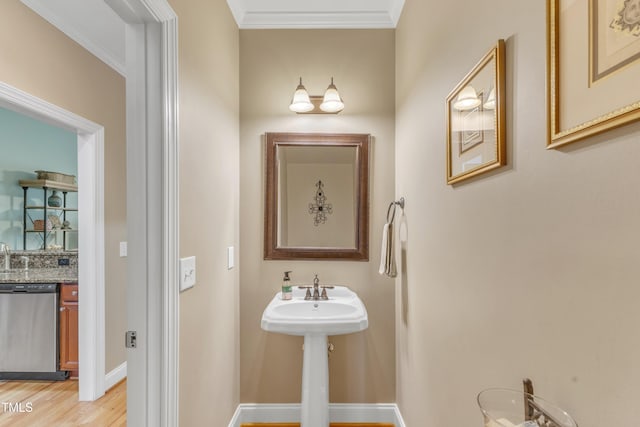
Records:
x=51, y=185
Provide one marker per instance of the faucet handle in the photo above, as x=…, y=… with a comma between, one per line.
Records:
x=308, y=294
x=324, y=295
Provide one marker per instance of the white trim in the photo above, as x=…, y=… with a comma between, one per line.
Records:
x=235, y=420
x=32, y=106
x=293, y=14
x=115, y=376
x=91, y=241
x=152, y=186
x=310, y=20
x=399, y=420
x=237, y=10
x=91, y=236
x=395, y=11
x=62, y=23
x=338, y=412
x=171, y=226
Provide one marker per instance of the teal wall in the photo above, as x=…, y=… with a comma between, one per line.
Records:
x=27, y=145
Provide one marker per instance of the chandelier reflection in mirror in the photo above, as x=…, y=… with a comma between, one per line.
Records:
x=320, y=209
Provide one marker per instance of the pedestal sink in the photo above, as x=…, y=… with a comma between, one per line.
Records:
x=342, y=313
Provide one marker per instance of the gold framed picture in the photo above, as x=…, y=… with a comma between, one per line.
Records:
x=476, y=141
x=593, y=66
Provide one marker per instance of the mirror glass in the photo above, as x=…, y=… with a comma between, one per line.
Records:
x=316, y=196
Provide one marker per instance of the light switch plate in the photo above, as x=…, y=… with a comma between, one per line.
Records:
x=123, y=249
x=187, y=272
x=230, y=258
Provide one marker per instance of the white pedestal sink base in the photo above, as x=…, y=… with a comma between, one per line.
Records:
x=342, y=313
x=315, y=382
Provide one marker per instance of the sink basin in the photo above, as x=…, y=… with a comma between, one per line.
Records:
x=342, y=313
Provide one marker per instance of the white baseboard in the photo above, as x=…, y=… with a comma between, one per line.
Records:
x=338, y=412
x=115, y=376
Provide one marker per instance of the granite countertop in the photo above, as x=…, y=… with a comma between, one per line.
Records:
x=40, y=275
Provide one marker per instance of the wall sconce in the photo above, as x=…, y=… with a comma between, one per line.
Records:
x=467, y=99
x=330, y=103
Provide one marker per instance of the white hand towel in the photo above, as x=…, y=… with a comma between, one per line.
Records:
x=387, y=256
x=383, y=254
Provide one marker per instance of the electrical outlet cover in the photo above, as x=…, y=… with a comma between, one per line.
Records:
x=187, y=272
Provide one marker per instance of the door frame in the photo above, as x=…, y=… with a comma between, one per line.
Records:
x=152, y=210
x=91, y=241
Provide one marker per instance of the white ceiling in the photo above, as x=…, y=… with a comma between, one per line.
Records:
x=96, y=27
x=90, y=23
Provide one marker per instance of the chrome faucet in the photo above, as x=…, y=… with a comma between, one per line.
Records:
x=7, y=255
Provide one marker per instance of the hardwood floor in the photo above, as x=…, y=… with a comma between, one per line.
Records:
x=331, y=425
x=55, y=404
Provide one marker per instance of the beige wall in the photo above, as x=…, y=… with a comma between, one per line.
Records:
x=209, y=185
x=40, y=60
x=529, y=271
x=362, y=367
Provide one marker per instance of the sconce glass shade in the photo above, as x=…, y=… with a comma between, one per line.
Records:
x=301, y=102
x=491, y=101
x=467, y=99
x=332, y=103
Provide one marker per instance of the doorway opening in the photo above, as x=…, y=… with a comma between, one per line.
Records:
x=91, y=269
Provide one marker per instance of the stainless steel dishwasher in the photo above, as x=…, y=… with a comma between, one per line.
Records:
x=29, y=332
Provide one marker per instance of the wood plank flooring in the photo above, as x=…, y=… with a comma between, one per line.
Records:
x=331, y=425
x=55, y=404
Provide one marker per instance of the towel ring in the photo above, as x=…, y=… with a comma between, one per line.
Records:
x=394, y=204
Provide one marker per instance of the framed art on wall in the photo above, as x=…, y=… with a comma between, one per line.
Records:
x=593, y=66
x=476, y=119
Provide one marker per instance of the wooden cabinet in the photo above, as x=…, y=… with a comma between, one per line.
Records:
x=69, y=328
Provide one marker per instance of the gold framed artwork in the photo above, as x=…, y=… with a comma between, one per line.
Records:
x=593, y=66
x=476, y=141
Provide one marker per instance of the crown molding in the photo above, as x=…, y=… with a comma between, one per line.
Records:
x=315, y=20
x=385, y=16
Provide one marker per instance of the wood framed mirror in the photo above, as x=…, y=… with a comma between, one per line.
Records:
x=316, y=196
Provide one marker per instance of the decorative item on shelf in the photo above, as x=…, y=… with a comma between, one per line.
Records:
x=66, y=225
x=39, y=224
x=56, y=176
x=54, y=201
x=55, y=222
x=303, y=103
